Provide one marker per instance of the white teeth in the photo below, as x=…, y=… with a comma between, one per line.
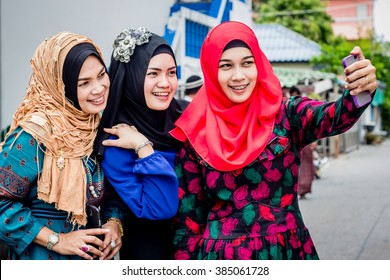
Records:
x=160, y=94
x=238, y=87
x=97, y=100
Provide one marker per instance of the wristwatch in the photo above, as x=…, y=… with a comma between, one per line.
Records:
x=53, y=240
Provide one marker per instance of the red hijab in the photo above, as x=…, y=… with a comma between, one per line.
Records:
x=229, y=135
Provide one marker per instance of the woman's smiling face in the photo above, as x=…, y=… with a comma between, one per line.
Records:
x=237, y=73
x=93, y=86
x=160, y=82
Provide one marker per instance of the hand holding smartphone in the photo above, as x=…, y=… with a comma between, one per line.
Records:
x=364, y=97
x=93, y=218
x=94, y=221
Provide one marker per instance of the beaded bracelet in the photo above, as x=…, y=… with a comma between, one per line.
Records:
x=143, y=145
x=118, y=222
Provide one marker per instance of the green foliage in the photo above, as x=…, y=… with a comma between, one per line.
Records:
x=315, y=96
x=386, y=111
x=372, y=138
x=377, y=52
x=332, y=54
x=309, y=18
x=302, y=16
x=380, y=58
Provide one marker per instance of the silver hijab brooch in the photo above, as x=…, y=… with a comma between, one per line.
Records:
x=126, y=42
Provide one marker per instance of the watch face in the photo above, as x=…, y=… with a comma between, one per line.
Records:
x=53, y=238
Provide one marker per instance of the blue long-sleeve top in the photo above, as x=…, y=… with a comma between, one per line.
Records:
x=148, y=186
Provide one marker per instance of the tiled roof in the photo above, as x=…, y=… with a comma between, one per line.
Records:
x=291, y=76
x=281, y=44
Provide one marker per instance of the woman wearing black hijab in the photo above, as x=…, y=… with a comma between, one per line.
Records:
x=139, y=158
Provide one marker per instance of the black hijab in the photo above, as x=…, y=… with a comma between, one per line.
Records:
x=72, y=65
x=127, y=104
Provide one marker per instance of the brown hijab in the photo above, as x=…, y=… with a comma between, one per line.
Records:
x=55, y=122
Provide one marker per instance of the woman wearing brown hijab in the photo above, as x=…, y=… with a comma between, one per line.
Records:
x=47, y=173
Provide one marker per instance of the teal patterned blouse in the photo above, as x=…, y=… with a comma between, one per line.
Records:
x=22, y=214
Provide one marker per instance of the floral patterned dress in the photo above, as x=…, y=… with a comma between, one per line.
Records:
x=253, y=212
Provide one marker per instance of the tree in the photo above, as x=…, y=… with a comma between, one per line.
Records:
x=307, y=17
x=377, y=52
x=331, y=55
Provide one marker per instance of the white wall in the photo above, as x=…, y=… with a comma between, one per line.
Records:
x=26, y=23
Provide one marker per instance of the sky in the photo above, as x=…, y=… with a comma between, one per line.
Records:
x=382, y=19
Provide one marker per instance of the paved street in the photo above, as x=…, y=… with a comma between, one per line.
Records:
x=348, y=211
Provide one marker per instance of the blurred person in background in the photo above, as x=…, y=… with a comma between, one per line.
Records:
x=307, y=169
x=192, y=85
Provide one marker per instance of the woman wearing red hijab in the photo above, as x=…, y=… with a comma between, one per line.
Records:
x=238, y=168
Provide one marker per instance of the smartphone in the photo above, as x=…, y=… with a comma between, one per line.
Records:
x=93, y=218
x=349, y=60
x=364, y=97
